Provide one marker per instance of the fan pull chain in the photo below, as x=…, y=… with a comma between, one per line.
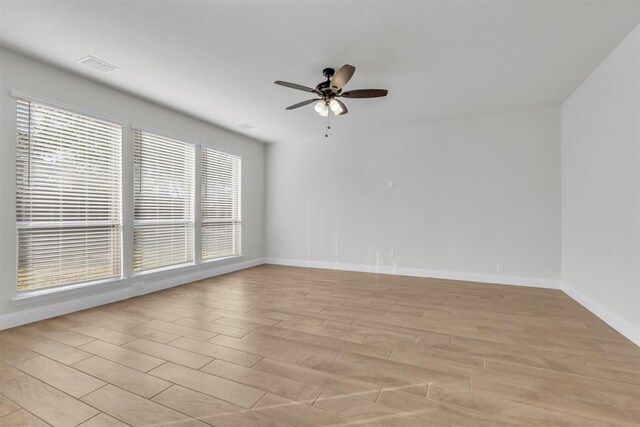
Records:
x=326, y=135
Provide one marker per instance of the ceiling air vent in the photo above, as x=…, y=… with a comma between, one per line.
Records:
x=97, y=64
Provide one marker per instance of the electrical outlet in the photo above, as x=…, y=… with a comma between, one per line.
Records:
x=500, y=268
x=383, y=260
x=366, y=260
x=392, y=253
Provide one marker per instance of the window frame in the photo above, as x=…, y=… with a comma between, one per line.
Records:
x=128, y=283
x=239, y=202
x=141, y=224
x=26, y=294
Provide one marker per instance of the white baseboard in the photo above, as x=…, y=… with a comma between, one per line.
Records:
x=612, y=319
x=140, y=285
x=419, y=272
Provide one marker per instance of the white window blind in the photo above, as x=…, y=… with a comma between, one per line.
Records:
x=68, y=197
x=221, y=216
x=164, y=194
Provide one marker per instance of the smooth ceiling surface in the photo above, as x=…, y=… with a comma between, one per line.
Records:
x=217, y=60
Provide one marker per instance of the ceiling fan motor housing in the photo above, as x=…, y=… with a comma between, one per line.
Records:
x=325, y=86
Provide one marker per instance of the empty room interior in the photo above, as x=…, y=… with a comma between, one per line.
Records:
x=319, y=213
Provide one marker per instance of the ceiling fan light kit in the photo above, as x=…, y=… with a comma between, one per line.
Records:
x=334, y=104
x=322, y=108
x=329, y=90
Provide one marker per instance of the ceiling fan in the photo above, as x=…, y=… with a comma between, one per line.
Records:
x=330, y=90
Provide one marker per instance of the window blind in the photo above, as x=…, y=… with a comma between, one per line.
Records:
x=68, y=197
x=164, y=194
x=221, y=216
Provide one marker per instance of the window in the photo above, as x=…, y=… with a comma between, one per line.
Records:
x=221, y=219
x=69, y=198
x=69, y=216
x=164, y=194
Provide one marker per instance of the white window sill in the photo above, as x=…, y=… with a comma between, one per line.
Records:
x=35, y=295
x=181, y=267
x=226, y=258
x=160, y=270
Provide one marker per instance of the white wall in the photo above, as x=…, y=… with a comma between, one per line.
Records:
x=467, y=195
x=601, y=190
x=21, y=73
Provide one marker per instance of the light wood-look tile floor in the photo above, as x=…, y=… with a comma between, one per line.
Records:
x=282, y=346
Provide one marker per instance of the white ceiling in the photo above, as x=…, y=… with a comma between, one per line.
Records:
x=217, y=60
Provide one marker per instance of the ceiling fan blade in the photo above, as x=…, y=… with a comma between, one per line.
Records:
x=344, y=108
x=365, y=93
x=295, y=86
x=302, y=104
x=341, y=77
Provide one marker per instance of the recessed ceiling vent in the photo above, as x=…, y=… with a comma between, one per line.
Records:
x=97, y=64
x=246, y=126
